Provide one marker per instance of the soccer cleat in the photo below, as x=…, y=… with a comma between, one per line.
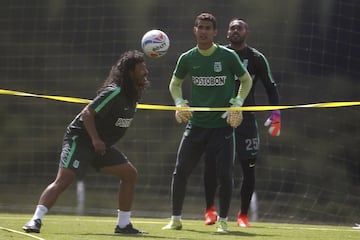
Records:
x=32, y=226
x=242, y=220
x=210, y=216
x=128, y=229
x=222, y=226
x=174, y=224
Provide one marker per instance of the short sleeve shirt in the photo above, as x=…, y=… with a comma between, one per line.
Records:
x=114, y=114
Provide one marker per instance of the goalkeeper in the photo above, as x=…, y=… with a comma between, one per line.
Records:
x=247, y=137
x=211, y=68
x=89, y=141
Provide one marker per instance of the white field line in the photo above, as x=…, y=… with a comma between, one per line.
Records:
x=21, y=233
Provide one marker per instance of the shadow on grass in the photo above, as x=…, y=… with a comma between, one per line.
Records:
x=230, y=233
x=150, y=236
x=127, y=236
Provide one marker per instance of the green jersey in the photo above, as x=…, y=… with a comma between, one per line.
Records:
x=213, y=82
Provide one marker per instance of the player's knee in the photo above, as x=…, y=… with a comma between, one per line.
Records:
x=59, y=186
x=134, y=174
x=125, y=172
x=130, y=174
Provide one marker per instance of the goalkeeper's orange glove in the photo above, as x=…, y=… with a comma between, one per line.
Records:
x=182, y=115
x=274, y=121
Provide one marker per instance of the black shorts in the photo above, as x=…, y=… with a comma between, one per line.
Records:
x=247, y=138
x=78, y=154
x=217, y=144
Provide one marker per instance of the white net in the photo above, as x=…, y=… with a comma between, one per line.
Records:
x=310, y=173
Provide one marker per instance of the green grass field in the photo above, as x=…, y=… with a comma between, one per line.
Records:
x=59, y=227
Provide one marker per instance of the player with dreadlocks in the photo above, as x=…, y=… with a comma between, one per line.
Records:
x=89, y=140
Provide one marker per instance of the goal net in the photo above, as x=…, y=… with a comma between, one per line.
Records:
x=311, y=173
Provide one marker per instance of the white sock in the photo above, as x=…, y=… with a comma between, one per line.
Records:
x=223, y=219
x=123, y=218
x=40, y=211
x=176, y=217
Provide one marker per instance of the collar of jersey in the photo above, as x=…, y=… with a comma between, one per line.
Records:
x=208, y=51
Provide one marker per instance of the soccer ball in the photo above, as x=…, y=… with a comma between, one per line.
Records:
x=155, y=43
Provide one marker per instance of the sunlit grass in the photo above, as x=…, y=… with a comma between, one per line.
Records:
x=59, y=227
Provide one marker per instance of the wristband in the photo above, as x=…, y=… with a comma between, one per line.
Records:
x=237, y=101
x=180, y=102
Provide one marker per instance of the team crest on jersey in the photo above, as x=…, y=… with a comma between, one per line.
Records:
x=217, y=67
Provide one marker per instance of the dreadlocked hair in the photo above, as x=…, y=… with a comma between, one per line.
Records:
x=120, y=75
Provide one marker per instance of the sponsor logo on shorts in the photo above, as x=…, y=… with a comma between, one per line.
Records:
x=228, y=137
